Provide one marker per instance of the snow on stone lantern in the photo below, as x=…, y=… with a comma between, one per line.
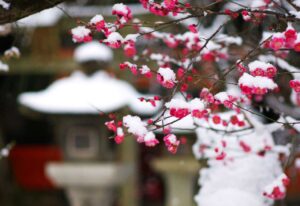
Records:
x=73, y=104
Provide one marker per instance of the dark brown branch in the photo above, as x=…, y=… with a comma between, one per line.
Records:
x=294, y=5
x=22, y=8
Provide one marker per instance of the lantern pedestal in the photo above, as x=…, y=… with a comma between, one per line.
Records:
x=88, y=184
x=180, y=174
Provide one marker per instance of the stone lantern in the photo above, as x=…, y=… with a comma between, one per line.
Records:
x=93, y=169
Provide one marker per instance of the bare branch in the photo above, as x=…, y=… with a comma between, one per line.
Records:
x=22, y=8
x=282, y=107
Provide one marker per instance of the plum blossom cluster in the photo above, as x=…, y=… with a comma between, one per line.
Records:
x=295, y=85
x=190, y=42
x=164, y=8
x=179, y=108
x=254, y=12
x=234, y=120
x=171, y=143
x=258, y=85
x=113, y=38
x=289, y=39
x=263, y=69
x=166, y=77
x=138, y=128
x=277, y=189
x=122, y=12
x=143, y=70
x=81, y=34
x=248, y=16
x=295, y=96
x=226, y=99
x=117, y=129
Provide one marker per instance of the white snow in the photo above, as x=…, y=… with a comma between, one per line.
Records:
x=239, y=179
x=51, y=16
x=80, y=94
x=5, y=29
x=149, y=136
x=292, y=122
x=45, y=18
x=196, y=104
x=120, y=8
x=296, y=2
x=131, y=37
x=4, y=152
x=221, y=96
x=4, y=67
x=80, y=32
x=4, y=4
x=177, y=103
x=86, y=11
x=12, y=52
x=142, y=107
x=284, y=65
x=114, y=37
x=257, y=81
x=296, y=13
x=229, y=197
x=237, y=183
x=97, y=18
x=229, y=39
x=258, y=3
x=120, y=131
x=168, y=74
x=184, y=125
x=297, y=163
x=278, y=182
x=172, y=138
x=135, y=125
x=93, y=51
x=144, y=69
x=259, y=64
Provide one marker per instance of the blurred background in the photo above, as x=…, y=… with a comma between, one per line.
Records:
x=66, y=158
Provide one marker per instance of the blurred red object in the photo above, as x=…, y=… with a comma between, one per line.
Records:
x=293, y=190
x=29, y=162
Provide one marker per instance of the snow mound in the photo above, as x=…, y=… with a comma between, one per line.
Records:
x=228, y=197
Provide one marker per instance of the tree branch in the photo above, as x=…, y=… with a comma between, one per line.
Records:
x=282, y=107
x=22, y=8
